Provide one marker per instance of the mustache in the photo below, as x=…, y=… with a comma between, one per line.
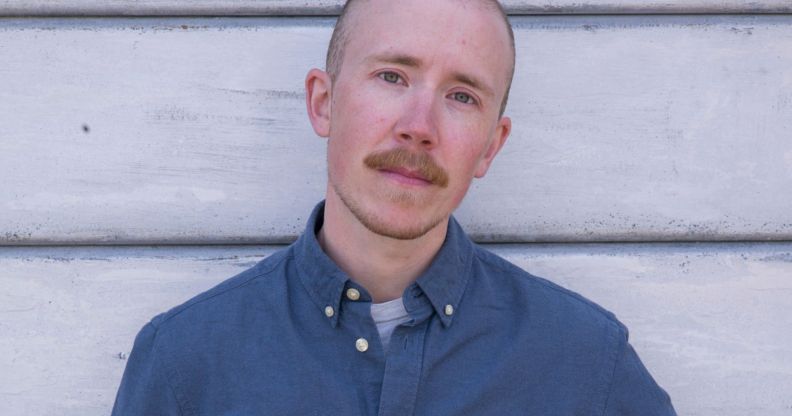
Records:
x=402, y=158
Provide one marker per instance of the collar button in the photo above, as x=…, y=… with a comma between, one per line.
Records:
x=352, y=294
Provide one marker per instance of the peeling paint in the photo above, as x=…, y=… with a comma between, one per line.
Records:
x=782, y=257
x=264, y=93
x=748, y=31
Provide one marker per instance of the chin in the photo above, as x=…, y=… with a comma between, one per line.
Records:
x=400, y=216
x=396, y=230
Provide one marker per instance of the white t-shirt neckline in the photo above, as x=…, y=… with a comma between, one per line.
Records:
x=387, y=316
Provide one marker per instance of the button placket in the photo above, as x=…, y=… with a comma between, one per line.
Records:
x=403, y=371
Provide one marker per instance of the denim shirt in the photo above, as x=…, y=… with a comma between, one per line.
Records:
x=287, y=337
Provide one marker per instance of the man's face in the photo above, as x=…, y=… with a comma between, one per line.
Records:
x=414, y=111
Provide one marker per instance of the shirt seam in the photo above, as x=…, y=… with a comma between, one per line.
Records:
x=167, y=316
x=616, y=353
x=170, y=372
x=486, y=257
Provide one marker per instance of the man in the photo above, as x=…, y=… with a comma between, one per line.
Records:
x=383, y=306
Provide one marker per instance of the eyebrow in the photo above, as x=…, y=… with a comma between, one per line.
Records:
x=413, y=62
x=472, y=82
x=398, y=59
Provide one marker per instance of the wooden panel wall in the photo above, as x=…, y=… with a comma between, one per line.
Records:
x=661, y=127
x=699, y=315
x=183, y=130
x=331, y=7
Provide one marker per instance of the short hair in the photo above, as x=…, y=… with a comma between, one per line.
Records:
x=340, y=39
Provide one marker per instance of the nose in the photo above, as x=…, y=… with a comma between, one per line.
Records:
x=418, y=123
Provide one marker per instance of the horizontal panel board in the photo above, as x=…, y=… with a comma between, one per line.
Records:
x=194, y=131
x=710, y=321
x=332, y=7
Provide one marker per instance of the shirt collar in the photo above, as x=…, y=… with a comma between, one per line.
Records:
x=443, y=282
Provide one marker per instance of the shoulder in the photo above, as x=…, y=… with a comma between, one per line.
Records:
x=231, y=294
x=543, y=299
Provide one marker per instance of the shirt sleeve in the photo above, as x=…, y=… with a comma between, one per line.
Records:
x=633, y=391
x=144, y=388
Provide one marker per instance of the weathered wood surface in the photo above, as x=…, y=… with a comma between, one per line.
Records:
x=711, y=321
x=332, y=7
x=194, y=131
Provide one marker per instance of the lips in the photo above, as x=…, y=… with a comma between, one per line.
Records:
x=407, y=173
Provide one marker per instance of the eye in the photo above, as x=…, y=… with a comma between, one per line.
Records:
x=391, y=77
x=463, y=97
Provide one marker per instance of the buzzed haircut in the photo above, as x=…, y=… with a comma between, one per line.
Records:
x=340, y=39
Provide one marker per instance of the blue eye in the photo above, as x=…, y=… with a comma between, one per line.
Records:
x=463, y=97
x=391, y=77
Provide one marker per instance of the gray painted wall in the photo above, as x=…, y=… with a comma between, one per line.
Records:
x=665, y=135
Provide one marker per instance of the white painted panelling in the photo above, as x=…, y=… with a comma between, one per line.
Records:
x=642, y=128
x=68, y=317
x=332, y=7
x=194, y=130
x=710, y=321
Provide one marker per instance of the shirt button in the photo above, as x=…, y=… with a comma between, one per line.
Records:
x=449, y=310
x=353, y=294
x=361, y=344
x=329, y=311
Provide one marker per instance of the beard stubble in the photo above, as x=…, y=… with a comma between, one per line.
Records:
x=396, y=158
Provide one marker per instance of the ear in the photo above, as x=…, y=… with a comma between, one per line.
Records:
x=496, y=143
x=318, y=87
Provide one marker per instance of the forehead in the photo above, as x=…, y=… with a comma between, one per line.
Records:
x=464, y=35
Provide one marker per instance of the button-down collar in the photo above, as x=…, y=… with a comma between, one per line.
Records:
x=443, y=282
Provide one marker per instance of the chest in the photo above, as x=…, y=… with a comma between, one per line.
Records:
x=427, y=370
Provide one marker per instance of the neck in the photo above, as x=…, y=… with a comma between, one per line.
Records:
x=384, y=266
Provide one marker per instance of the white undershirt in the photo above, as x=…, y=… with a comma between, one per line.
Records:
x=388, y=316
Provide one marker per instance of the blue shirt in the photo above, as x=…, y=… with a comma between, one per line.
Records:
x=484, y=338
